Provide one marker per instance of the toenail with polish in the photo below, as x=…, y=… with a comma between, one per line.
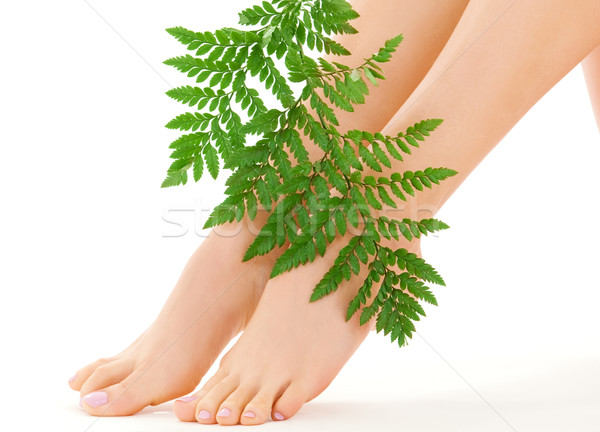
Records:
x=225, y=412
x=278, y=416
x=203, y=415
x=96, y=399
x=186, y=399
x=73, y=378
x=249, y=414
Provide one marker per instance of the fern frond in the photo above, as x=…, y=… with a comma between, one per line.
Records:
x=416, y=266
x=311, y=202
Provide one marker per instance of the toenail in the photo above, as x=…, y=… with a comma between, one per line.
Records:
x=187, y=399
x=278, y=416
x=225, y=412
x=73, y=378
x=203, y=415
x=249, y=414
x=96, y=399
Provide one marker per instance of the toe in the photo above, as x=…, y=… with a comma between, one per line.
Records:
x=230, y=410
x=212, y=382
x=77, y=380
x=208, y=405
x=258, y=410
x=185, y=408
x=106, y=375
x=115, y=400
x=289, y=403
x=124, y=398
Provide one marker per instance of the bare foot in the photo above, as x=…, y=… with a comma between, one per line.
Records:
x=289, y=353
x=212, y=302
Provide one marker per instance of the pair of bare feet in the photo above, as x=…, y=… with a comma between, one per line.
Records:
x=289, y=352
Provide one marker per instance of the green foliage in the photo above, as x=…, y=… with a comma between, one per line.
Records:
x=311, y=203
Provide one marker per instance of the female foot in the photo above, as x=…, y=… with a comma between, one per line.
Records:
x=289, y=353
x=212, y=302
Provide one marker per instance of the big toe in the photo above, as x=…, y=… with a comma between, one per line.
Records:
x=124, y=398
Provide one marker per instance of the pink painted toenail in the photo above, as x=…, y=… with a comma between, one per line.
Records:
x=96, y=399
x=186, y=399
x=278, y=416
x=73, y=378
x=249, y=414
x=203, y=415
x=225, y=412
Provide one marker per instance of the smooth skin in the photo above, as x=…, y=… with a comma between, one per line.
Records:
x=203, y=313
x=496, y=66
x=216, y=294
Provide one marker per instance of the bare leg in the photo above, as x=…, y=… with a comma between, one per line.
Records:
x=217, y=293
x=490, y=74
x=482, y=84
x=423, y=41
x=591, y=68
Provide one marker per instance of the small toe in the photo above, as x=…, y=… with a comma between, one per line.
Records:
x=289, y=403
x=208, y=405
x=106, y=375
x=258, y=410
x=77, y=380
x=231, y=409
x=185, y=407
x=212, y=382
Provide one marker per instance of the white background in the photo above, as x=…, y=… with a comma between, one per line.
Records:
x=86, y=259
